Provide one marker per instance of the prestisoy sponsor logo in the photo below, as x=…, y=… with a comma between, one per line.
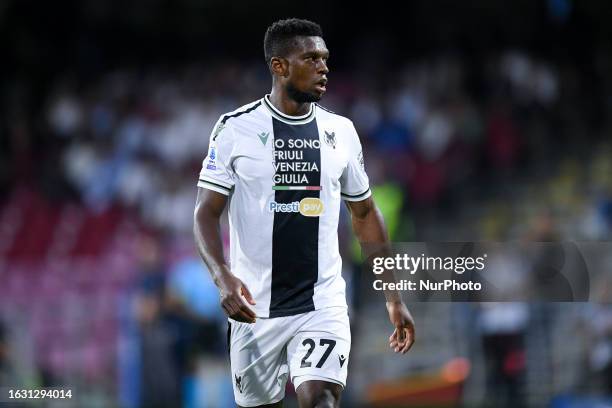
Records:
x=308, y=207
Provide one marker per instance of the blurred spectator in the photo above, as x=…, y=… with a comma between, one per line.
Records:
x=503, y=327
x=599, y=326
x=192, y=292
x=547, y=280
x=193, y=301
x=436, y=136
x=391, y=135
x=160, y=384
x=503, y=139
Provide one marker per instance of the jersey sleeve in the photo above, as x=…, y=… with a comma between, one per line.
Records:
x=217, y=173
x=354, y=180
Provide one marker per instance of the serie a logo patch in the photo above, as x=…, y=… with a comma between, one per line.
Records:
x=212, y=155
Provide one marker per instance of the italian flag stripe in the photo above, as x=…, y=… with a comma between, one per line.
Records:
x=317, y=188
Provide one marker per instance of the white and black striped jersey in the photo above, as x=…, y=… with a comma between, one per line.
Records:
x=285, y=177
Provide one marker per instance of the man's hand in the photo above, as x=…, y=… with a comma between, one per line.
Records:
x=233, y=293
x=403, y=336
x=370, y=229
x=207, y=235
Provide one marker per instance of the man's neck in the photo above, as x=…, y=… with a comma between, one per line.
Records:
x=281, y=101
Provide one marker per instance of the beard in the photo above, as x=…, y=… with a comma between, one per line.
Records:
x=301, y=97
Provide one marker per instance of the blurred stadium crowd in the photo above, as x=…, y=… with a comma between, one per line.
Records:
x=101, y=287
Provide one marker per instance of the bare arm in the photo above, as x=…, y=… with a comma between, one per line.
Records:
x=233, y=292
x=369, y=227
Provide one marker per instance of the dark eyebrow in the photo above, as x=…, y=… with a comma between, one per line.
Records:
x=316, y=53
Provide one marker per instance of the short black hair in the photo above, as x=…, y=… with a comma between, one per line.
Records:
x=279, y=36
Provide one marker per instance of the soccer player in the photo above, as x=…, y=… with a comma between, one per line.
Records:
x=284, y=163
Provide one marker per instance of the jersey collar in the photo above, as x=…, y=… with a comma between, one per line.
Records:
x=292, y=120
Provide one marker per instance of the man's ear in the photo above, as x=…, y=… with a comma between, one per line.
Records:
x=279, y=66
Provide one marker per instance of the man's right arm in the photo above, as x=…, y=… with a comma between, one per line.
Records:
x=234, y=294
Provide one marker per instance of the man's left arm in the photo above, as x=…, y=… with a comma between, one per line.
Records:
x=369, y=227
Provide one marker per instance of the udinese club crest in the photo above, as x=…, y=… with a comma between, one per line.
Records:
x=330, y=139
x=238, y=379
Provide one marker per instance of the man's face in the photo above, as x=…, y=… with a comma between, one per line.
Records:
x=307, y=70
